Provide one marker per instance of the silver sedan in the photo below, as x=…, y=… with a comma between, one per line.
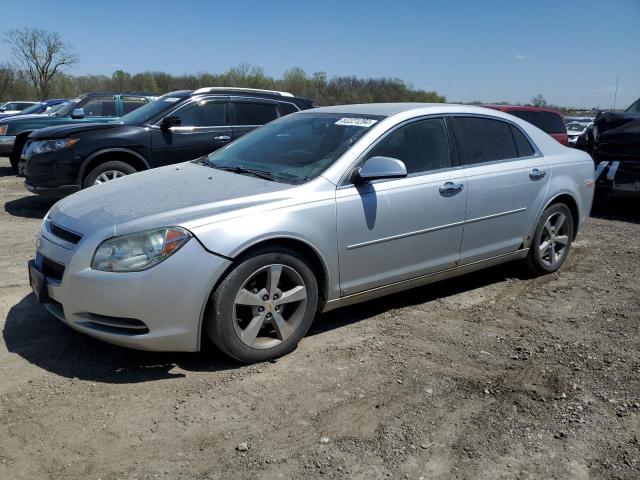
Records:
x=314, y=211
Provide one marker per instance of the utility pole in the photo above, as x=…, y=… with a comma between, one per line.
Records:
x=615, y=95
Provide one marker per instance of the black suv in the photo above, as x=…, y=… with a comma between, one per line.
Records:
x=177, y=127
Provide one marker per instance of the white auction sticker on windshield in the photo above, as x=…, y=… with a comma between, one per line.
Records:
x=356, y=122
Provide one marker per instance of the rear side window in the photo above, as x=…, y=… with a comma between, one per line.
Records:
x=286, y=109
x=248, y=113
x=203, y=114
x=553, y=123
x=523, y=146
x=484, y=140
x=422, y=146
x=129, y=104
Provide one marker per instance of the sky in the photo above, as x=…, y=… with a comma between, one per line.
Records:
x=490, y=50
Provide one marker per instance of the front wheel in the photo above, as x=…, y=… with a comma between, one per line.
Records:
x=264, y=306
x=551, y=240
x=107, y=171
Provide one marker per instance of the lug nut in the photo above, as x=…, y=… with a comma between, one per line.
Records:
x=268, y=315
x=277, y=308
x=261, y=309
x=276, y=296
x=265, y=297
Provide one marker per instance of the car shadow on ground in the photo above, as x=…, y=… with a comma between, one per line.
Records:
x=31, y=332
x=625, y=209
x=6, y=171
x=31, y=206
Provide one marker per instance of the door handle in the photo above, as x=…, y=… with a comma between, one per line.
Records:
x=449, y=189
x=223, y=138
x=536, y=174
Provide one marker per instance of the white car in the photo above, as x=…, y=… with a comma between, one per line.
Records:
x=576, y=128
x=15, y=107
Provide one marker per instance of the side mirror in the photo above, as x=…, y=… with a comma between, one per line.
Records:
x=77, y=113
x=377, y=168
x=171, y=121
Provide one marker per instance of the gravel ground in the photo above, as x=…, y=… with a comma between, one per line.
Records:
x=493, y=375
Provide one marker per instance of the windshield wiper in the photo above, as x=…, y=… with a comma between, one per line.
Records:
x=244, y=171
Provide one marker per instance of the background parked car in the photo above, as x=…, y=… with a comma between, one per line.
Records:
x=576, y=128
x=40, y=108
x=15, y=106
x=177, y=127
x=545, y=119
x=89, y=107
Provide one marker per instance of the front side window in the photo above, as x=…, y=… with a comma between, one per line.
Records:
x=295, y=148
x=100, y=107
x=421, y=145
x=252, y=113
x=204, y=113
x=129, y=104
x=484, y=140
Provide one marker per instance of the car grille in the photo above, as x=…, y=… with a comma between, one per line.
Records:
x=64, y=234
x=52, y=269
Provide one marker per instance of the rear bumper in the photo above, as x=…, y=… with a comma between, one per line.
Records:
x=619, y=177
x=157, y=309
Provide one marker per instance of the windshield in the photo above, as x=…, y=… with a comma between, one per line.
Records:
x=67, y=107
x=576, y=127
x=32, y=109
x=295, y=148
x=150, y=110
x=634, y=108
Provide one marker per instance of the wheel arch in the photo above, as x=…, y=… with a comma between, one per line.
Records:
x=126, y=155
x=569, y=200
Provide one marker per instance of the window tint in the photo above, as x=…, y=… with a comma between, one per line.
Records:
x=553, y=123
x=534, y=118
x=484, y=140
x=255, y=113
x=100, y=107
x=421, y=145
x=11, y=106
x=204, y=114
x=286, y=109
x=129, y=104
x=522, y=144
x=22, y=106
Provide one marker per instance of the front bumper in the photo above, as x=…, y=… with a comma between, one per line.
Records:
x=6, y=144
x=157, y=309
x=52, y=192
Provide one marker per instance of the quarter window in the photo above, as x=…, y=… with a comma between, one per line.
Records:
x=204, y=114
x=286, y=109
x=248, y=113
x=422, y=146
x=523, y=146
x=484, y=140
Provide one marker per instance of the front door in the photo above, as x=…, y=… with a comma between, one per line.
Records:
x=203, y=129
x=394, y=230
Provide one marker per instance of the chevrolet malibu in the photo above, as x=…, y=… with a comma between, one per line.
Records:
x=314, y=211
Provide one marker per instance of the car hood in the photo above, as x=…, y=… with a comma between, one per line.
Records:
x=185, y=194
x=12, y=117
x=63, y=131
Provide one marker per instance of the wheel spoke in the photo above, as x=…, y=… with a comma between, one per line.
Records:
x=273, y=277
x=548, y=227
x=560, y=222
x=563, y=239
x=245, y=297
x=544, y=246
x=250, y=333
x=294, y=295
x=283, y=329
x=555, y=256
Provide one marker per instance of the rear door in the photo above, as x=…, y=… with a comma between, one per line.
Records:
x=204, y=128
x=250, y=113
x=395, y=230
x=507, y=179
x=129, y=103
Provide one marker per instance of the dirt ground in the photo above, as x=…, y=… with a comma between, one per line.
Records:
x=493, y=375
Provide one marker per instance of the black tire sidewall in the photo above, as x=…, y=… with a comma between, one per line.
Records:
x=103, y=167
x=219, y=322
x=534, y=254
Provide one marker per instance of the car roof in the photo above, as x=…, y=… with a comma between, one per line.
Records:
x=384, y=109
x=510, y=108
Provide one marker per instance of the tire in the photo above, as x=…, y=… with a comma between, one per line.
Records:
x=248, y=328
x=548, y=249
x=14, y=157
x=109, y=169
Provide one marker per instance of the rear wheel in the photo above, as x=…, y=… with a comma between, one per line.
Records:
x=14, y=157
x=264, y=306
x=551, y=240
x=107, y=171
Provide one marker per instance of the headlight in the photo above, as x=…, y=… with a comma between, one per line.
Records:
x=52, y=145
x=3, y=129
x=138, y=251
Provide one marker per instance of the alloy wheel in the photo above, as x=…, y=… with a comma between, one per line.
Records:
x=554, y=240
x=269, y=306
x=108, y=176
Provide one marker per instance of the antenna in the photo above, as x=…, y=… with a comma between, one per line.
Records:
x=615, y=95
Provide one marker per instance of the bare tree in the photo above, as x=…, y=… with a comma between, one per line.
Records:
x=41, y=54
x=538, y=101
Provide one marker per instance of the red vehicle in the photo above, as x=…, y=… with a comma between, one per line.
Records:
x=545, y=119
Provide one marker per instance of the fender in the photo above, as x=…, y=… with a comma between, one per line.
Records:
x=87, y=160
